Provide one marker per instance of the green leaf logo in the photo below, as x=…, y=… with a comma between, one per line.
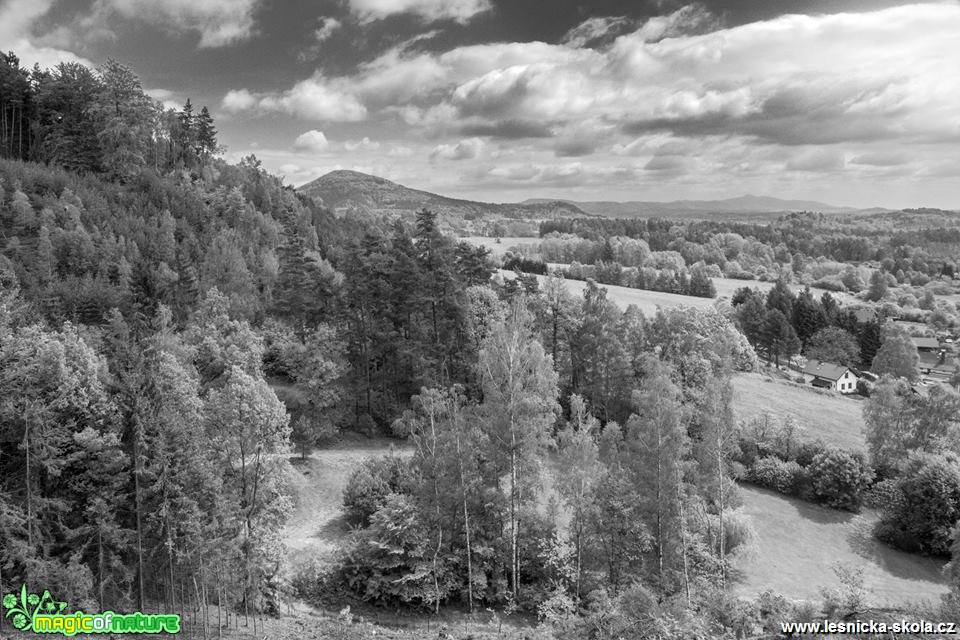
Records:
x=24, y=606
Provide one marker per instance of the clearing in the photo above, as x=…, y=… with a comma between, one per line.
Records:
x=798, y=543
x=646, y=301
x=317, y=526
x=498, y=249
x=835, y=419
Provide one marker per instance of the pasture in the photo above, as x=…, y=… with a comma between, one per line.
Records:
x=798, y=543
x=835, y=419
x=646, y=301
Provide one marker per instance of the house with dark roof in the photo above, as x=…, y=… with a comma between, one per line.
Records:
x=924, y=344
x=826, y=375
x=936, y=358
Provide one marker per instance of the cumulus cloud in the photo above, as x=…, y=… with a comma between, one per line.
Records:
x=312, y=141
x=17, y=18
x=218, y=22
x=313, y=99
x=366, y=144
x=429, y=10
x=463, y=150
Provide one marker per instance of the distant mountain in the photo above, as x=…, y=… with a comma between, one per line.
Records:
x=344, y=190
x=748, y=204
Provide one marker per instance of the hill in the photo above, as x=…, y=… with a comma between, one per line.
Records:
x=344, y=190
x=746, y=206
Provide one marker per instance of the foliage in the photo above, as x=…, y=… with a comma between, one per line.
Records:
x=774, y=473
x=840, y=478
x=923, y=519
x=370, y=484
x=897, y=357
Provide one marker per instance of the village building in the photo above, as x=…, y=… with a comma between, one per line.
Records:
x=826, y=375
x=937, y=358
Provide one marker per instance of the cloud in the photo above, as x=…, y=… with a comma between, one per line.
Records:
x=366, y=144
x=817, y=160
x=311, y=141
x=597, y=31
x=574, y=147
x=463, y=150
x=17, y=18
x=238, y=100
x=507, y=130
x=882, y=159
x=399, y=151
x=218, y=22
x=313, y=99
x=428, y=10
x=326, y=28
x=166, y=97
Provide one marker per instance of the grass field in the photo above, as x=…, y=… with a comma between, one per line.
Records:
x=647, y=301
x=833, y=418
x=798, y=543
x=497, y=249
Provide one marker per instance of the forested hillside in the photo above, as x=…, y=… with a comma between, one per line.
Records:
x=173, y=329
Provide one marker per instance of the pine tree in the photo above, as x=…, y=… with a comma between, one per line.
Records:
x=206, y=134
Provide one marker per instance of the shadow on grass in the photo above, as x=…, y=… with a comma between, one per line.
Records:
x=333, y=529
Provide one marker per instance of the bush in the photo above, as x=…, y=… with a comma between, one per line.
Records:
x=923, y=517
x=883, y=494
x=371, y=483
x=807, y=451
x=774, y=473
x=839, y=478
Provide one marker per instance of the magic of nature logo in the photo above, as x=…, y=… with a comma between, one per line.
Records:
x=41, y=613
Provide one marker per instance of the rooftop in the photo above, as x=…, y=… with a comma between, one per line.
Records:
x=825, y=370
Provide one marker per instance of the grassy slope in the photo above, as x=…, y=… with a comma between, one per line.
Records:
x=646, y=301
x=317, y=525
x=833, y=418
x=798, y=543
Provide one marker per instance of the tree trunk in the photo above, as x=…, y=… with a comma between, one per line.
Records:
x=683, y=538
x=513, y=517
x=139, y=509
x=466, y=521
x=723, y=560
x=29, y=488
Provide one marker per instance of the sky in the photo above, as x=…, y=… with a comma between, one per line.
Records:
x=851, y=102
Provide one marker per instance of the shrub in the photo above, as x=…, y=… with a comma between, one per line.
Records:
x=883, y=494
x=839, y=478
x=807, y=451
x=371, y=483
x=929, y=506
x=849, y=597
x=774, y=473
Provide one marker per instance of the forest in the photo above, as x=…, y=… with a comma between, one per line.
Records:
x=175, y=331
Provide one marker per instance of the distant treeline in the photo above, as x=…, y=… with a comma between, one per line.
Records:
x=695, y=282
x=914, y=243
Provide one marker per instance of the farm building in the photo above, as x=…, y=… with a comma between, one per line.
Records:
x=936, y=358
x=826, y=375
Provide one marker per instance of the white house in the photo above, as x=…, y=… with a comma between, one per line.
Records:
x=830, y=376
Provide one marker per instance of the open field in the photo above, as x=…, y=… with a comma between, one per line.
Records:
x=497, y=249
x=833, y=418
x=798, y=543
x=317, y=526
x=647, y=301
